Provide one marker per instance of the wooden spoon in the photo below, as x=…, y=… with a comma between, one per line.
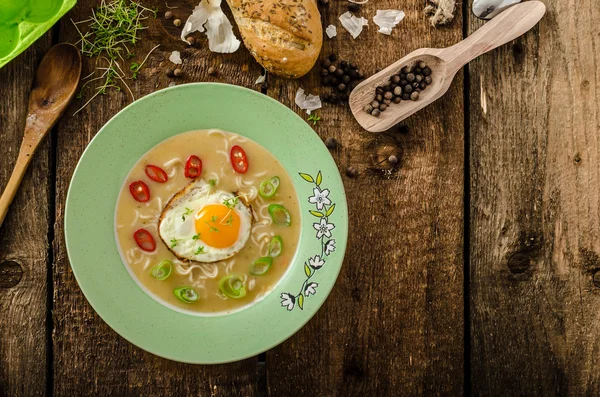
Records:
x=444, y=63
x=54, y=86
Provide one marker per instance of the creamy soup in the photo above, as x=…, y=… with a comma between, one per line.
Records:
x=208, y=221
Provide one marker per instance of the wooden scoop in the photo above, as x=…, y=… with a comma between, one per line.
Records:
x=444, y=63
x=54, y=86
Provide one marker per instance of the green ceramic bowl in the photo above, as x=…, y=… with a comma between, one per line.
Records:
x=22, y=22
x=106, y=283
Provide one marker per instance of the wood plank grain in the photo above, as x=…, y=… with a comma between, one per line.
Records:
x=393, y=324
x=535, y=224
x=24, y=242
x=90, y=358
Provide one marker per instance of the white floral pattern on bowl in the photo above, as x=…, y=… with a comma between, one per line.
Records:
x=324, y=209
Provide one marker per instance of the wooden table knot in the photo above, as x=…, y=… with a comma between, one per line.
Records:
x=10, y=274
x=520, y=261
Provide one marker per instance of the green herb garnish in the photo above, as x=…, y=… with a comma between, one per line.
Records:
x=212, y=228
x=196, y=237
x=214, y=219
x=314, y=118
x=186, y=213
x=230, y=202
x=110, y=35
x=199, y=251
x=212, y=182
x=174, y=242
x=229, y=221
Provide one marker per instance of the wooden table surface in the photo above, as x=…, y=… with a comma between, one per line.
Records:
x=472, y=268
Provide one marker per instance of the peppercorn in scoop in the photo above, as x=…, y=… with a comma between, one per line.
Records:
x=403, y=86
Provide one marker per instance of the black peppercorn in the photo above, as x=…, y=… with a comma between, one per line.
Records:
x=346, y=79
x=406, y=70
x=405, y=96
x=388, y=102
x=351, y=172
x=387, y=87
x=353, y=66
x=168, y=15
x=421, y=64
x=417, y=70
x=403, y=82
x=334, y=98
x=178, y=72
x=169, y=72
x=426, y=71
x=360, y=74
x=388, y=95
x=410, y=77
x=408, y=88
x=327, y=80
x=341, y=87
x=382, y=107
x=398, y=91
x=375, y=112
x=343, y=64
x=379, y=97
x=422, y=85
x=414, y=96
x=339, y=72
x=379, y=90
x=212, y=71
x=419, y=78
x=375, y=105
x=334, y=81
x=331, y=143
x=326, y=63
x=177, y=22
x=368, y=108
x=402, y=76
x=397, y=99
x=191, y=40
x=324, y=72
x=332, y=69
x=332, y=57
x=326, y=98
x=428, y=80
x=393, y=159
x=395, y=79
x=324, y=2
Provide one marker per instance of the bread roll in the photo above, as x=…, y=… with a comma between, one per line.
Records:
x=285, y=36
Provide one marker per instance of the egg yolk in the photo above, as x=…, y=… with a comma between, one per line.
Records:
x=218, y=225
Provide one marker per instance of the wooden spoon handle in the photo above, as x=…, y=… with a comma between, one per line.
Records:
x=25, y=154
x=505, y=27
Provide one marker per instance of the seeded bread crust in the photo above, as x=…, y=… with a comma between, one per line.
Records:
x=284, y=36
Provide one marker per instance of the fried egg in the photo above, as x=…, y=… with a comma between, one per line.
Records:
x=203, y=224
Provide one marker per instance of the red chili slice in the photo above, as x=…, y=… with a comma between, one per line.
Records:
x=239, y=161
x=139, y=190
x=193, y=167
x=144, y=240
x=157, y=174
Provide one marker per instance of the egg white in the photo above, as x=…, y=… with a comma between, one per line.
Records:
x=173, y=224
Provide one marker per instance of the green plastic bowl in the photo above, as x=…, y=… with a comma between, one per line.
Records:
x=24, y=21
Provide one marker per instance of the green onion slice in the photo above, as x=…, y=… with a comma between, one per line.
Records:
x=280, y=215
x=186, y=294
x=275, y=246
x=269, y=187
x=232, y=286
x=261, y=266
x=162, y=271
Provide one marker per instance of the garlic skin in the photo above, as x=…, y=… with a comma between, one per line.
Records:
x=175, y=58
x=208, y=14
x=331, y=31
x=307, y=102
x=387, y=20
x=352, y=24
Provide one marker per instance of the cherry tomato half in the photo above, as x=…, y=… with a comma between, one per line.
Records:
x=193, y=167
x=239, y=161
x=139, y=190
x=144, y=240
x=157, y=174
